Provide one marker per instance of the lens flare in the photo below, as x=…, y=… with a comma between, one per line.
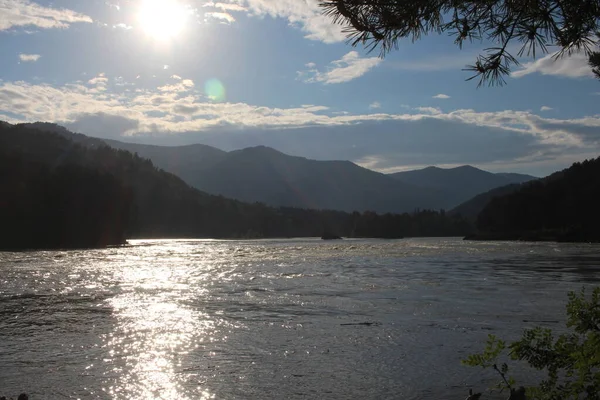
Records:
x=214, y=90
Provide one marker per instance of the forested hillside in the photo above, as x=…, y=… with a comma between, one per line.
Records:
x=563, y=206
x=472, y=207
x=60, y=207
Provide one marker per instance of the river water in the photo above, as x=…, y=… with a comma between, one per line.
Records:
x=274, y=319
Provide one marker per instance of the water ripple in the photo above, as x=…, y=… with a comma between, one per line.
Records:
x=203, y=319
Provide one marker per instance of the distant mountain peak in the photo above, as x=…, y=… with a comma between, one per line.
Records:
x=260, y=148
x=466, y=168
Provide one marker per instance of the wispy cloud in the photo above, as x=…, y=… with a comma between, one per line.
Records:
x=20, y=13
x=374, y=105
x=546, y=108
x=123, y=26
x=99, y=82
x=182, y=85
x=29, y=57
x=441, y=96
x=351, y=66
x=222, y=16
x=226, y=6
x=574, y=66
x=429, y=110
x=303, y=14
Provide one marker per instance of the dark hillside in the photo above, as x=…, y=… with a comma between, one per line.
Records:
x=563, y=206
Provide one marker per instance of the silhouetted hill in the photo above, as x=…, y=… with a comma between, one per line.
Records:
x=65, y=206
x=471, y=208
x=516, y=178
x=457, y=185
x=80, y=191
x=184, y=161
x=563, y=206
x=65, y=133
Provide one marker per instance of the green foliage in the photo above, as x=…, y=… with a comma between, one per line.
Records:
x=571, y=360
x=490, y=359
x=534, y=24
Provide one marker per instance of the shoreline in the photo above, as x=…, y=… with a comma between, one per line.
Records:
x=532, y=236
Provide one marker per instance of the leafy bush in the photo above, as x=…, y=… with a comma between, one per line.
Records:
x=570, y=361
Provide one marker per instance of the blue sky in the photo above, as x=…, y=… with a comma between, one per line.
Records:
x=239, y=73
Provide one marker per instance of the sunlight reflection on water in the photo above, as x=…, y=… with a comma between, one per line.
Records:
x=154, y=330
x=169, y=319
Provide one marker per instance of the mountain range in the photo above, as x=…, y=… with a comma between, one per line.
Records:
x=265, y=175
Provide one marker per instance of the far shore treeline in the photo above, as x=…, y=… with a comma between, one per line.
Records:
x=55, y=193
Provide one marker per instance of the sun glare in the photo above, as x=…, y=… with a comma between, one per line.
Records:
x=162, y=19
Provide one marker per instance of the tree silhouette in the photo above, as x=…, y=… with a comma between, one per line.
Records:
x=571, y=25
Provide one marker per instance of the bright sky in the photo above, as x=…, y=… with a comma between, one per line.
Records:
x=240, y=73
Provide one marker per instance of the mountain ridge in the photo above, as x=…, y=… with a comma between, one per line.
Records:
x=266, y=175
x=460, y=184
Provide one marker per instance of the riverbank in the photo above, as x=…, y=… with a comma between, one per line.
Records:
x=536, y=236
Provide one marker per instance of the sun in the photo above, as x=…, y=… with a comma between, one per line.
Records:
x=162, y=19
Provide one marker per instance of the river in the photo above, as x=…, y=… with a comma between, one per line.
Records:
x=274, y=319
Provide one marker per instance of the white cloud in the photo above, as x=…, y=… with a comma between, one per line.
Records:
x=304, y=14
x=429, y=110
x=99, y=79
x=123, y=26
x=181, y=107
x=349, y=67
x=99, y=82
x=226, y=6
x=546, y=108
x=574, y=66
x=223, y=16
x=29, y=57
x=18, y=13
x=183, y=85
x=374, y=105
x=441, y=96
